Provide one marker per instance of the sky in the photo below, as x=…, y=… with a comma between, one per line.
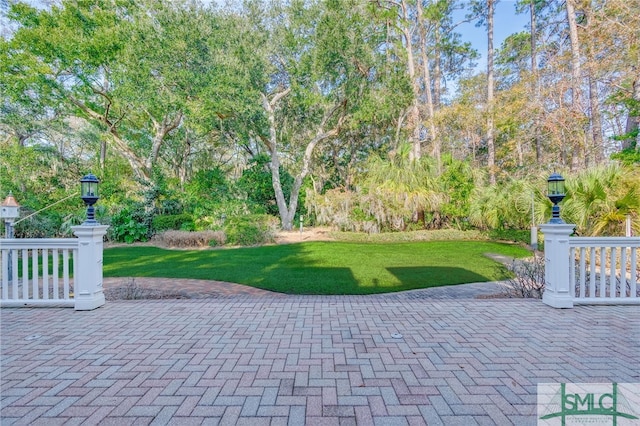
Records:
x=505, y=23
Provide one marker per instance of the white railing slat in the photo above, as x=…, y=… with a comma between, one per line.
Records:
x=56, y=289
x=623, y=272
x=572, y=271
x=45, y=274
x=583, y=268
x=603, y=272
x=634, y=273
x=592, y=270
x=5, y=274
x=612, y=275
x=14, y=272
x=65, y=272
x=25, y=273
x=35, y=284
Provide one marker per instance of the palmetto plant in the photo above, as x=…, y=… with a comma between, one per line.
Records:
x=509, y=205
x=599, y=200
x=392, y=193
x=399, y=189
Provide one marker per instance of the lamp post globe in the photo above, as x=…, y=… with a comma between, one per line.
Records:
x=89, y=194
x=555, y=193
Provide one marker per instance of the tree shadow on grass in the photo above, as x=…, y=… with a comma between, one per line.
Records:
x=415, y=277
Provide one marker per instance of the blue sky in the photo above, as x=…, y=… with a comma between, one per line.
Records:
x=506, y=22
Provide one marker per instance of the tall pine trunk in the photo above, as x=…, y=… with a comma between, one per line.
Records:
x=435, y=140
x=537, y=140
x=597, y=139
x=491, y=154
x=414, y=110
x=577, y=151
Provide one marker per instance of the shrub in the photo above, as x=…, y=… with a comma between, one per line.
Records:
x=457, y=181
x=529, y=278
x=215, y=215
x=184, y=239
x=422, y=235
x=513, y=235
x=173, y=222
x=38, y=226
x=133, y=291
x=127, y=227
x=208, y=184
x=250, y=230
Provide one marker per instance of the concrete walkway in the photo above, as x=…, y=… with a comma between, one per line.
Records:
x=263, y=360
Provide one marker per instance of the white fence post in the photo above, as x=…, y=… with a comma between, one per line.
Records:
x=88, y=278
x=557, y=287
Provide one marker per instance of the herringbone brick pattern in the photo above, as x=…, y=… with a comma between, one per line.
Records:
x=305, y=360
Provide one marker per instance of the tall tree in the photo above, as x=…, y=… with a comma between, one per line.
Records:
x=576, y=79
x=619, y=31
x=132, y=68
x=407, y=27
x=596, y=151
x=491, y=154
x=327, y=76
x=534, y=75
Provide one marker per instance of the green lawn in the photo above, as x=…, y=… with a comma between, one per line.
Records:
x=322, y=267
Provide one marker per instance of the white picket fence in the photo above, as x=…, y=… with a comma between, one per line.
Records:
x=38, y=272
x=605, y=270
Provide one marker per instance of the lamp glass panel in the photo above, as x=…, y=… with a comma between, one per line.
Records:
x=556, y=187
x=89, y=189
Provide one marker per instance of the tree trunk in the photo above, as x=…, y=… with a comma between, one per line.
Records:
x=435, y=140
x=534, y=72
x=274, y=164
x=576, y=74
x=136, y=163
x=161, y=129
x=141, y=168
x=633, y=119
x=414, y=111
x=22, y=139
x=597, y=150
x=491, y=154
x=103, y=142
x=103, y=154
x=597, y=140
x=437, y=71
x=183, y=170
x=288, y=212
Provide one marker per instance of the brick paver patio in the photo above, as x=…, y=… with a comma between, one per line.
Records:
x=305, y=360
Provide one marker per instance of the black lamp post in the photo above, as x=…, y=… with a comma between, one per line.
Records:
x=555, y=192
x=89, y=194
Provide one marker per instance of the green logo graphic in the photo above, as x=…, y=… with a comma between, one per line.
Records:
x=583, y=402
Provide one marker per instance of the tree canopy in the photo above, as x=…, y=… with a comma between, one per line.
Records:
x=323, y=90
